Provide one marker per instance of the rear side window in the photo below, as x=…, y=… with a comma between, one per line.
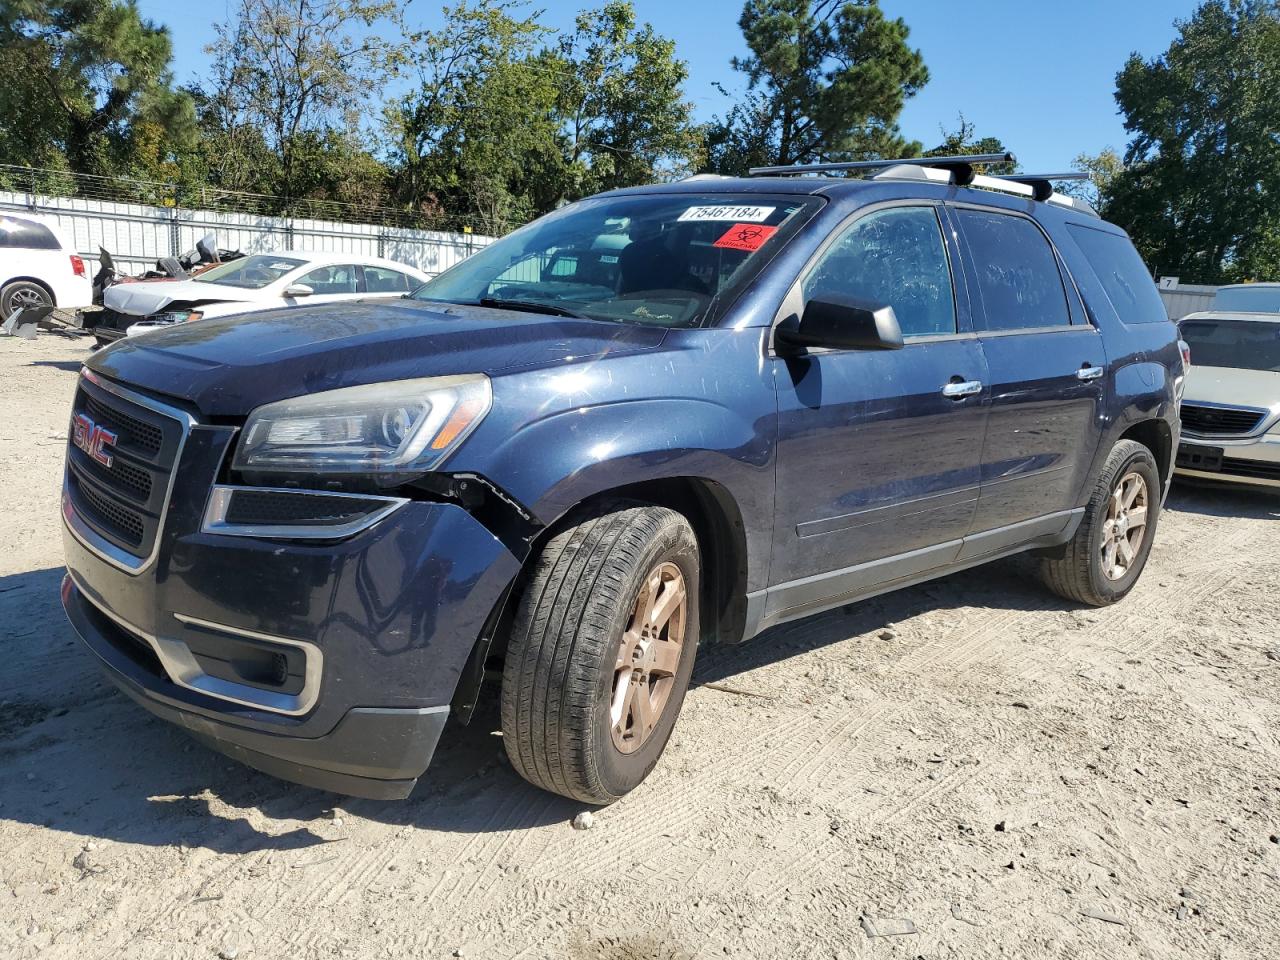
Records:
x=380, y=280
x=26, y=234
x=1122, y=273
x=895, y=257
x=1017, y=272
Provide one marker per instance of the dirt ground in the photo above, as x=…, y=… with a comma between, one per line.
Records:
x=969, y=768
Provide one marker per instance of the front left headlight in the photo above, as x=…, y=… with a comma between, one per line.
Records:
x=400, y=427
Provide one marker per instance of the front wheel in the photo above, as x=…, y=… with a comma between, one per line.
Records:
x=601, y=651
x=1104, y=559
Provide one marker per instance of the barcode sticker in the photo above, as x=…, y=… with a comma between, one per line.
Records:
x=736, y=214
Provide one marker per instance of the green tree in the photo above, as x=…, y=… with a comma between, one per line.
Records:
x=1200, y=188
x=826, y=81
x=508, y=122
x=85, y=85
x=302, y=73
x=964, y=142
x=478, y=129
x=620, y=107
x=1102, y=168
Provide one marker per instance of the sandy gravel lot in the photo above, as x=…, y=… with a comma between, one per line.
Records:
x=971, y=759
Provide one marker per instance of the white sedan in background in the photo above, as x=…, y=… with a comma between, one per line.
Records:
x=1231, y=403
x=260, y=281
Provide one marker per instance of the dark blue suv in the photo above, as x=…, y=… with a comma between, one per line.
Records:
x=655, y=418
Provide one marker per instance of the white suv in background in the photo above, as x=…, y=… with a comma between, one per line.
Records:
x=38, y=266
x=1231, y=403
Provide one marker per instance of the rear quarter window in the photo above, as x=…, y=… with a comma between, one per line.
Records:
x=1124, y=277
x=19, y=233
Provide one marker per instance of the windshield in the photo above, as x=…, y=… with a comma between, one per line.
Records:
x=667, y=260
x=252, y=273
x=1244, y=344
x=1248, y=299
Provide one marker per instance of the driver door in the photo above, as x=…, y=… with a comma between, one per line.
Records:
x=335, y=282
x=878, y=468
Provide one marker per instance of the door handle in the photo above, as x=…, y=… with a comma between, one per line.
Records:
x=1087, y=372
x=959, y=389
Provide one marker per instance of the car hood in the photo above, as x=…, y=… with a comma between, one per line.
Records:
x=149, y=296
x=1232, y=386
x=228, y=367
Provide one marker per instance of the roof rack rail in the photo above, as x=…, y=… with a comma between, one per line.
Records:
x=956, y=171
x=1042, y=183
x=960, y=167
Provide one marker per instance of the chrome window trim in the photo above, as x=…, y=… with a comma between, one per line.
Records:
x=93, y=541
x=183, y=669
x=215, y=515
x=1081, y=328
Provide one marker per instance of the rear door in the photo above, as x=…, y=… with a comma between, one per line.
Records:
x=878, y=451
x=1046, y=372
x=384, y=282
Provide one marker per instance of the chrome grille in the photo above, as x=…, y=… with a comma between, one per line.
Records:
x=1220, y=421
x=122, y=501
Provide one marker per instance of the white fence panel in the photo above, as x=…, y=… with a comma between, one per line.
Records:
x=1183, y=298
x=137, y=235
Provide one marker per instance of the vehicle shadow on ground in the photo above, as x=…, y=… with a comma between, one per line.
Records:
x=77, y=756
x=1224, y=500
x=70, y=366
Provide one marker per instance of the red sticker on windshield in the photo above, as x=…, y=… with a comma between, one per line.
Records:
x=745, y=236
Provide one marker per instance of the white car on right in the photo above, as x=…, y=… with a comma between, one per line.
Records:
x=1231, y=398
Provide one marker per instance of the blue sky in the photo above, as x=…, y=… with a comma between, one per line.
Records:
x=1040, y=78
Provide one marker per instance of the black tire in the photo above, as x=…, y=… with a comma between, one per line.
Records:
x=1077, y=571
x=566, y=638
x=22, y=293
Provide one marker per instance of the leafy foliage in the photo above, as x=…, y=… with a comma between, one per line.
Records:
x=1200, y=188
x=827, y=80
x=505, y=126
x=477, y=133
x=85, y=86
x=620, y=111
x=294, y=76
x=964, y=142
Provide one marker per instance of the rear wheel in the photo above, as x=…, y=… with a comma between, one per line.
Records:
x=601, y=651
x=20, y=294
x=1104, y=559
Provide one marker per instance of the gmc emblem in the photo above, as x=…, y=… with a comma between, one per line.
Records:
x=92, y=438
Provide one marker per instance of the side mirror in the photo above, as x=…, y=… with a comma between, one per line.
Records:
x=843, y=324
x=298, y=290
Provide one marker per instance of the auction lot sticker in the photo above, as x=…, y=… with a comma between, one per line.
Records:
x=742, y=214
x=745, y=236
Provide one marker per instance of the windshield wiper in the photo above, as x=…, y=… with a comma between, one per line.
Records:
x=530, y=306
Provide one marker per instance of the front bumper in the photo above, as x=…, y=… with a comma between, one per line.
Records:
x=377, y=753
x=371, y=633
x=1249, y=461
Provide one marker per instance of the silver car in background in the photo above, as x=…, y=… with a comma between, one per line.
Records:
x=1231, y=401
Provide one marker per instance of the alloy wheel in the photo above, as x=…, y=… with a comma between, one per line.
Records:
x=1125, y=526
x=648, y=657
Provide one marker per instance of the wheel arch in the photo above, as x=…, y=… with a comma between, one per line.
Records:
x=719, y=527
x=1156, y=435
x=53, y=297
